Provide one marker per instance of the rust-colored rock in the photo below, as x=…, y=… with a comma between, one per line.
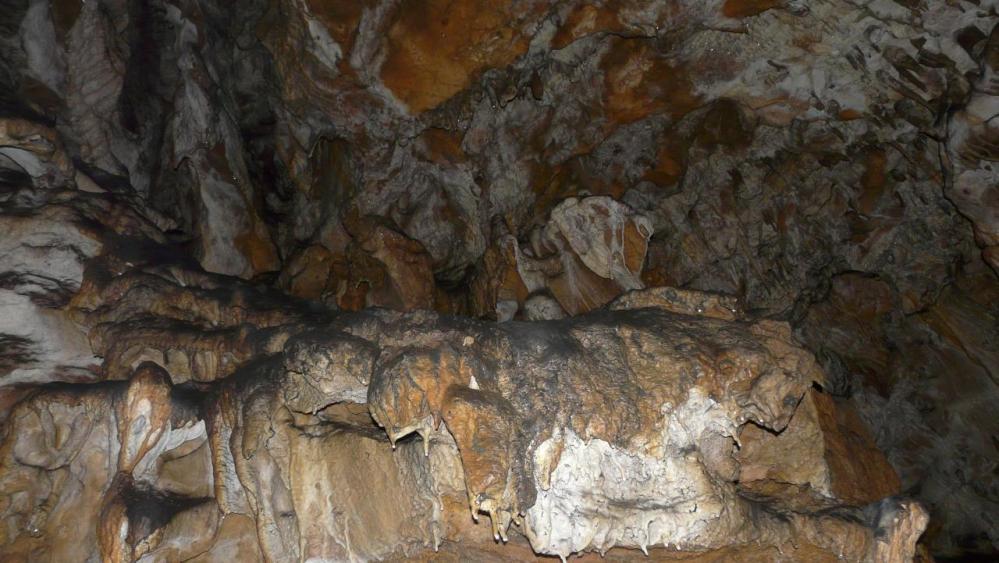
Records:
x=435, y=50
x=498, y=289
x=377, y=267
x=639, y=82
x=396, y=269
x=747, y=8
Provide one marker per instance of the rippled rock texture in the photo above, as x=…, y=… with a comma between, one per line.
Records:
x=324, y=279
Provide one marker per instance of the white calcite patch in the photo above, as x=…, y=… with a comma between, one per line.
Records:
x=38, y=37
x=46, y=256
x=685, y=425
x=599, y=495
x=43, y=262
x=595, y=229
x=55, y=347
x=322, y=46
x=175, y=441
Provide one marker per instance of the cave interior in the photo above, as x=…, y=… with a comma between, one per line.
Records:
x=499, y=280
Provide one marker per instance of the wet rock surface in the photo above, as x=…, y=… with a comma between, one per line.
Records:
x=332, y=279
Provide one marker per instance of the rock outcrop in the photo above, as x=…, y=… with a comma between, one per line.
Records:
x=225, y=420
x=589, y=252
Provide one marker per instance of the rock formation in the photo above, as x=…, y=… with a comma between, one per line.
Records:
x=223, y=419
x=391, y=280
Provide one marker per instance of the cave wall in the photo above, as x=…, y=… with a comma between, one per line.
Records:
x=830, y=164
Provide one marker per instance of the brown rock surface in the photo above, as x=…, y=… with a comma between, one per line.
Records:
x=589, y=252
x=378, y=267
x=435, y=50
x=667, y=206
x=825, y=449
x=267, y=449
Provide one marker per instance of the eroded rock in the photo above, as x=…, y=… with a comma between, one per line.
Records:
x=614, y=429
x=590, y=251
x=831, y=165
x=825, y=449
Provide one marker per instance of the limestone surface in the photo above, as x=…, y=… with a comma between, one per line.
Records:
x=225, y=420
x=290, y=280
